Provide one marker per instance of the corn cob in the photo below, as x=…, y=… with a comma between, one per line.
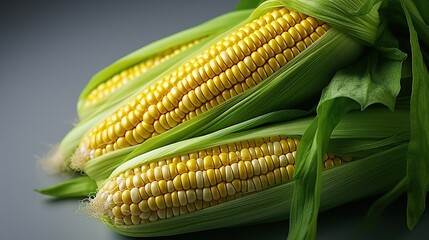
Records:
x=198, y=180
x=236, y=63
x=225, y=179
x=129, y=74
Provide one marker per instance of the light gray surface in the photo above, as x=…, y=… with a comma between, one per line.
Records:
x=48, y=52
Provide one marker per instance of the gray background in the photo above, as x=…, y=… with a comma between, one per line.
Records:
x=48, y=52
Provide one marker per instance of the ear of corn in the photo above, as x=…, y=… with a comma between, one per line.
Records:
x=129, y=130
x=137, y=68
x=181, y=187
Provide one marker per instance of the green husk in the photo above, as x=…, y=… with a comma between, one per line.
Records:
x=416, y=181
x=418, y=150
x=245, y=4
x=74, y=188
x=274, y=203
x=375, y=78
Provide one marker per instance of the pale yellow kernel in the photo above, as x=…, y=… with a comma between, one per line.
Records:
x=182, y=198
x=191, y=165
x=244, y=187
x=206, y=179
x=153, y=217
x=135, y=195
x=173, y=170
x=291, y=144
x=191, y=196
x=143, y=193
x=256, y=167
x=117, y=198
x=150, y=174
x=290, y=170
x=245, y=154
x=207, y=194
x=208, y=163
x=165, y=172
x=263, y=165
x=144, y=207
x=235, y=170
x=290, y=158
x=257, y=182
x=183, y=210
x=270, y=163
x=175, y=199
x=265, y=31
x=211, y=176
x=192, y=179
x=301, y=30
x=215, y=193
x=301, y=46
x=117, y=212
x=242, y=170
x=177, y=182
x=152, y=204
x=233, y=158
x=125, y=209
x=159, y=201
x=230, y=189
x=268, y=180
x=216, y=161
x=274, y=177
x=233, y=75
x=181, y=168
x=119, y=129
x=185, y=181
x=244, y=68
x=200, y=163
x=134, y=209
x=329, y=163
x=176, y=211
x=295, y=51
x=224, y=158
x=229, y=176
x=126, y=197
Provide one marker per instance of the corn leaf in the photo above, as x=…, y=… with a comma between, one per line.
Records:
x=358, y=18
x=418, y=151
x=246, y=4
x=375, y=78
x=417, y=179
x=74, y=188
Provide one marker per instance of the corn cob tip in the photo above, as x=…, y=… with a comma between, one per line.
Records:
x=93, y=207
x=79, y=158
x=54, y=162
